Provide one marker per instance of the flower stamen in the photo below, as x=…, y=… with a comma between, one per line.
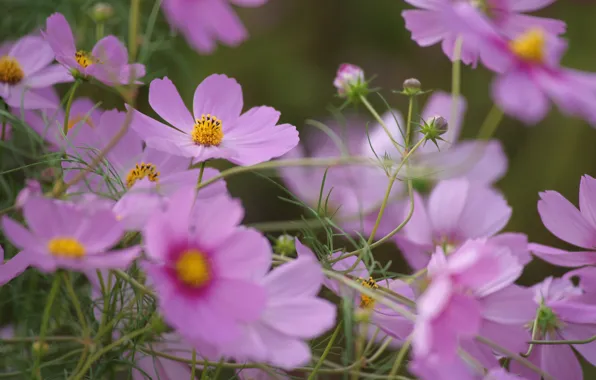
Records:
x=11, y=71
x=530, y=46
x=141, y=171
x=64, y=247
x=207, y=131
x=192, y=268
x=85, y=59
x=367, y=302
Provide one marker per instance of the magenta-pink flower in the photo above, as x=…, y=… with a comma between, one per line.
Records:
x=218, y=129
x=78, y=238
x=107, y=61
x=460, y=301
x=562, y=314
x=455, y=211
x=565, y=221
x=435, y=22
x=292, y=315
x=348, y=76
x=205, y=22
x=205, y=267
x=25, y=67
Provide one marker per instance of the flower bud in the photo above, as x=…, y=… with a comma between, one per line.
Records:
x=350, y=82
x=40, y=348
x=158, y=326
x=284, y=245
x=434, y=128
x=412, y=86
x=101, y=12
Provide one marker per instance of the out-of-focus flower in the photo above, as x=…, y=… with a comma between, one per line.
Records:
x=435, y=22
x=457, y=369
x=102, y=12
x=458, y=210
x=470, y=293
x=204, y=266
x=561, y=314
x=217, y=130
x=78, y=238
x=127, y=163
x=530, y=75
x=412, y=86
x=565, y=221
x=26, y=66
x=284, y=245
x=32, y=189
x=205, y=22
x=293, y=314
x=350, y=82
x=259, y=374
x=107, y=62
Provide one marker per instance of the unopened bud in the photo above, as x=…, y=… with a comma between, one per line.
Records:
x=40, y=348
x=158, y=325
x=284, y=245
x=102, y=12
x=412, y=86
x=434, y=128
x=440, y=124
x=350, y=82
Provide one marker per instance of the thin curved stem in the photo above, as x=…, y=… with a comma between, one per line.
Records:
x=553, y=342
x=71, y=95
x=400, y=357
x=379, y=120
x=44, y=322
x=313, y=374
x=490, y=124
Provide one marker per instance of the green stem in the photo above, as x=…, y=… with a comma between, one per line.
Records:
x=108, y=348
x=400, y=357
x=381, y=122
x=75, y=300
x=134, y=283
x=71, y=95
x=552, y=342
x=218, y=369
x=490, y=124
x=45, y=321
x=534, y=330
x=193, y=365
x=201, y=171
x=31, y=339
x=133, y=25
x=4, y=124
x=317, y=367
x=99, y=30
x=380, y=350
x=456, y=79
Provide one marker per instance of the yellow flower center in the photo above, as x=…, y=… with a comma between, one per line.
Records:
x=193, y=268
x=207, y=131
x=84, y=58
x=10, y=70
x=68, y=248
x=141, y=171
x=367, y=302
x=530, y=46
x=77, y=119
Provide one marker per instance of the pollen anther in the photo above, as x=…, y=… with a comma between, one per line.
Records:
x=530, y=46
x=193, y=269
x=207, y=131
x=11, y=71
x=140, y=171
x=65, y=247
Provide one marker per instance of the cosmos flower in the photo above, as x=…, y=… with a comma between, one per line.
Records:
x=26, y=66
x=204, y=266
x=205, y=22
x=107, y=62
x=457, y=210
x=217, y=130
x=565, y=221
x=78, y=238
x=562, y=313
x=434, y=22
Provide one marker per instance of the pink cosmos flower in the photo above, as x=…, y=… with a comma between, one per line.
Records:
x=434, y=22
x=565, y=221
x=471, y=293
x=107, y=62
x=204, y=22
x=78, y=238
x=458, y=369
x=530, y=75
x=217, y=130
x=348, y=75
x=562, y=314
x=204, y=266
x=26, y=66
x=128, y=162
x=293, y=313
x=457, y=210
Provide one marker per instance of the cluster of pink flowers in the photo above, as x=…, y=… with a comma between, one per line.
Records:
x=136, y=196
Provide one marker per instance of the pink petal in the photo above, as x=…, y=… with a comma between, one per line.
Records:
x=563, y=258
x=446, y=204
x=216, y=219
x=110, y=52
x=243, y=300
x=284, y=351
x=581, y=332
x=305, y=318
x=15, y=266
x=564, y=221
x=300, y=278
x=166, y=101
x=59, y=35
x=511, y=305
x=427, y=27
x=219, y=96
x=17, y=234
x=560, y=362
x=587, y=199
x=32, y=53
x=529, y=5
x=419, y=229
x=519, y=96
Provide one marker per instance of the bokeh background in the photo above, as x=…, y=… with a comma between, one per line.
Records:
x=290, y=60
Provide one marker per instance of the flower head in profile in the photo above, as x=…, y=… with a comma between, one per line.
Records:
x=25, y=67
x=292, y=315
x=78, y=238
x=565, y=221
x=107, y=61
x=350, y=82
x=218, y=129
x=205, y=267
x=455, y=211
x=204, y=23
x=562, y=313
x=434, y=22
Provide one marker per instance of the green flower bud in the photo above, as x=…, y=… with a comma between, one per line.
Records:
x=101, y=12
x=284, y=245
x=412, y=86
